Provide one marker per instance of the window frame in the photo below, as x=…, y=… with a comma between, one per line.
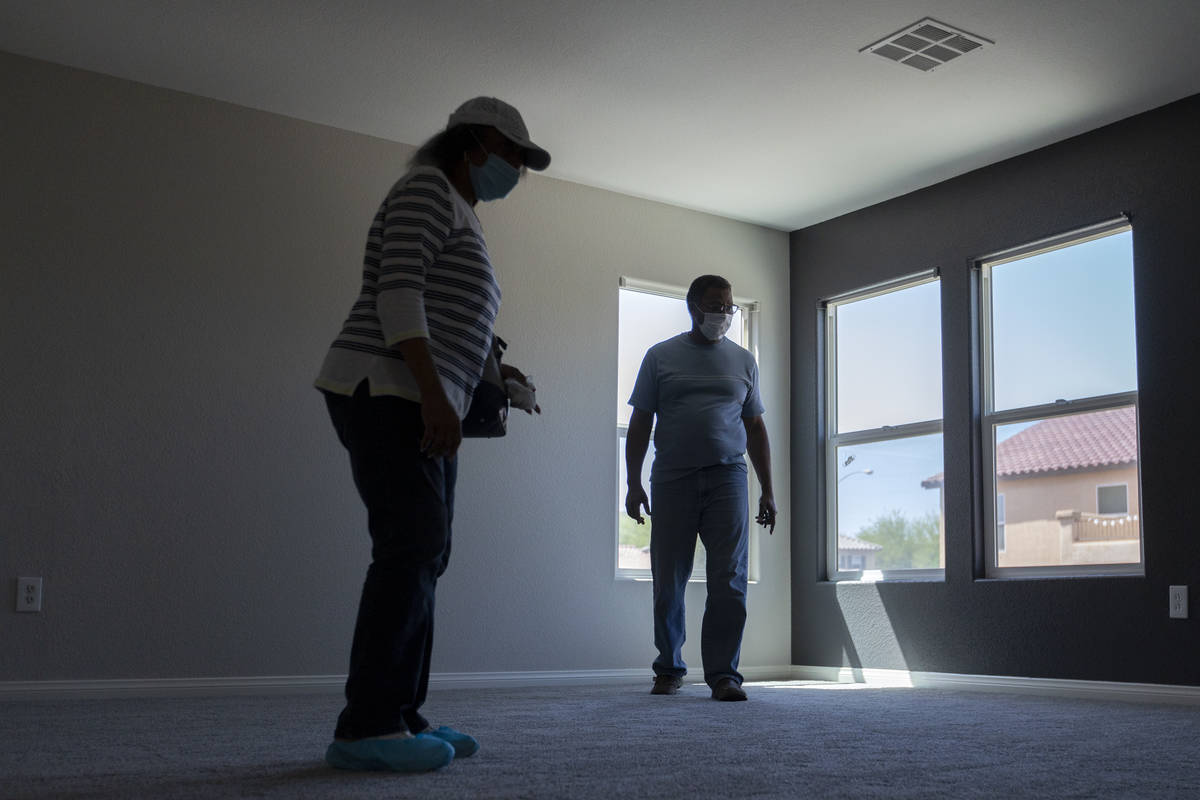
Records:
x=990, y=419
x=831, y=440
x=1001, y=521
x=751, y=324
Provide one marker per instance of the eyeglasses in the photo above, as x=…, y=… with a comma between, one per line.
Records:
x=717, y=308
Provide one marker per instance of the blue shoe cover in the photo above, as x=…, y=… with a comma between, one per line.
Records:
x=463, y=744
x=419, y=753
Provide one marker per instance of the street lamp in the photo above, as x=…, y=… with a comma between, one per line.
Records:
x=867, y=471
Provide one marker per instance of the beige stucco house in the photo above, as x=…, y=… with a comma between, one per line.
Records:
x=1067, y=492
x=854, y=553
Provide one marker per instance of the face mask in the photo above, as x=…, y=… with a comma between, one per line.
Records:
x=715, y=326
x=495, y=179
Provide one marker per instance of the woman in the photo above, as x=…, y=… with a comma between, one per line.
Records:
x=398, y=380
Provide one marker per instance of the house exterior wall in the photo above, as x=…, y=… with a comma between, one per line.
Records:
x=1041, y=496
x=1035, y=535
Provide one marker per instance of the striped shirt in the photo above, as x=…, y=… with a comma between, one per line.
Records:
x=426, y=274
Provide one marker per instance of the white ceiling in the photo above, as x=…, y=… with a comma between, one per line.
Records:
x=759, y=110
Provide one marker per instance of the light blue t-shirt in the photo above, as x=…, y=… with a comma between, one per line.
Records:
x=701, y=393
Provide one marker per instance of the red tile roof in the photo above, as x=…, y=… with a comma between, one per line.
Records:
x=1078, y=441
x=854, y=543
x=1075, y=442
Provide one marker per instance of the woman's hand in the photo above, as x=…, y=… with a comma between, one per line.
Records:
x=443, y=429
x=509, y=372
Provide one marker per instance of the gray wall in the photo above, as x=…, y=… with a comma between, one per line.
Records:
x=172, y=271
x=1094, y=628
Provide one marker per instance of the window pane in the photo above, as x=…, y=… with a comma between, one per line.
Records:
x=633, y=540
x=1049, y=471
x=1062, y=324
x=889, y=504
x=1112, y=500
x=889, y=359
x=645, y=320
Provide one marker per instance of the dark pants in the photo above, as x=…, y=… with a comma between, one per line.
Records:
x=711, y=503
x=410, y=505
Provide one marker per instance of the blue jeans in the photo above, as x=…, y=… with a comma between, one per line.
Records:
x=713, y=503
x=410, y=505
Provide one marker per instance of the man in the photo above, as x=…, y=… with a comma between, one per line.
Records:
x=704, y=389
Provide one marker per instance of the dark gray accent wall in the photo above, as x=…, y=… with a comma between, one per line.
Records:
x=1102, y=628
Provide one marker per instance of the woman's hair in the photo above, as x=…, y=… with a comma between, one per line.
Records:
x=703, y=284
x=446, y=149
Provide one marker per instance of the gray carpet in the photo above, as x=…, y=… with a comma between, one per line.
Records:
x=796, y=739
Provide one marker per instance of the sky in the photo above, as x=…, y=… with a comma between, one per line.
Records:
x=1063, y=324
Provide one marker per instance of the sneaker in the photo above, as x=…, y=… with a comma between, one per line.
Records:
x=666, y=684
x=463, y=744
x=420, y=753
x=728, y=689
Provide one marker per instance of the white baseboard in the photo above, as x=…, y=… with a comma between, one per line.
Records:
x=172, y=687
x=298, y=684
x=496, y=680
x=1098, y=690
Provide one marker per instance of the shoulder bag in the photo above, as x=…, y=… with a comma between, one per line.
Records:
x=487, y=417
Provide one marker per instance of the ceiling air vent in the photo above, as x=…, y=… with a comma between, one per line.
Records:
x=926, y=45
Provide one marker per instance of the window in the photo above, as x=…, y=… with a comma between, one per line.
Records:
x=1059, y=394
x=649, y=313
x=883, y=417
x=848, y=561
x=1112, y=499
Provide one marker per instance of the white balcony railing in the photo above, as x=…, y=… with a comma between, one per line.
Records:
x=1088, y=527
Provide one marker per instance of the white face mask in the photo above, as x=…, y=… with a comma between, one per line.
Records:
x=715, y=326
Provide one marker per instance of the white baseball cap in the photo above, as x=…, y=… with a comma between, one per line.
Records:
x=504, y=118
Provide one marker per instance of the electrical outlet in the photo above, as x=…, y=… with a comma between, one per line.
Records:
x=1179, y=602
x=29, y=594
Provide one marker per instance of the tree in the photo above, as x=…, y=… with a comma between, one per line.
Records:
x=908, y=543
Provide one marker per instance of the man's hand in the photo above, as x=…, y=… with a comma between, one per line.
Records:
x=766, y=512
x=634, y=500
x=443, y=429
